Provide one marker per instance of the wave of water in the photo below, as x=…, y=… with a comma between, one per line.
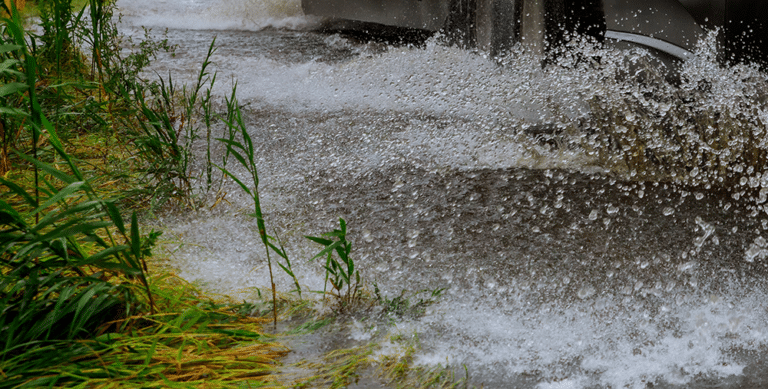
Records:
x=247, y=15
x=556, y=278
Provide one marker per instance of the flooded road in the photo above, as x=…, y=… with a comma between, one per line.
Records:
x=561, y=271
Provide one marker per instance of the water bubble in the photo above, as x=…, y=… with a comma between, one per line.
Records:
x=367, y=236
x=594, y=214
x=611, y=209
x=668, y=211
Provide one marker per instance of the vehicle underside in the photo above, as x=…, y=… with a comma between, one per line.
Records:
x=668, y=28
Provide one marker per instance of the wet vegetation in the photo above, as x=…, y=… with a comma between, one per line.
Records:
x=78, y=304
x=87, y=140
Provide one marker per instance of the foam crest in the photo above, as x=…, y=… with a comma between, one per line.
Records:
x=249, y=15
x=580, y=345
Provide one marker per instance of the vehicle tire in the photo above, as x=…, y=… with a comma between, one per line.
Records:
x=494, y=25
x=485, y=24
x=459, y=27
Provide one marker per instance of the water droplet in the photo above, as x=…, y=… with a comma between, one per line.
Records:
x=670, y=286
x=685, y=266
x=586, y=291
x=668, y=211
x=594, y=214
x=367, y=236
x=708, y=229
x=611, y=209
x=756, y=250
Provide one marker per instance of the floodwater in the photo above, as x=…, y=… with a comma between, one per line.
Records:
x=453, y=171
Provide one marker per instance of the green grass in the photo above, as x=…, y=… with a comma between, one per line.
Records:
x=189, y=341
x=83, y=303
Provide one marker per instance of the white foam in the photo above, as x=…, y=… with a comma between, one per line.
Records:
x=581, y=345
x=249, y=15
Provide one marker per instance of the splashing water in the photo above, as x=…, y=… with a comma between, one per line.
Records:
x=595, y=224
x=248, y=15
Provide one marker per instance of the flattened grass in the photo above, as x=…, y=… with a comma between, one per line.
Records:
x=191, y=341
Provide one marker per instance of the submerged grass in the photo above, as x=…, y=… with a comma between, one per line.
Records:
x=366, y=366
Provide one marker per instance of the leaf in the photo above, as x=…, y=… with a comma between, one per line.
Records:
x=109, y=337
x=114, y=214
x=49, y=169
x=327, y=250
x=230, y=175
x=19, y=191
x=135, y=237
x=8, y=48
x=62, y=194
x=13, y=111
x=324, y=242
x=11, y=88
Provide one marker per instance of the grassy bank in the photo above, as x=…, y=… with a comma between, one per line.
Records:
x=79, y=305
x=87, y=147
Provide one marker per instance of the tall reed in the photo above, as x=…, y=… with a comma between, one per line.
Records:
x=73, y=275
x=243, y=151
x=340, y=272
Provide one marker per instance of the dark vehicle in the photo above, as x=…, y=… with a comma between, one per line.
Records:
x=668, y=28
